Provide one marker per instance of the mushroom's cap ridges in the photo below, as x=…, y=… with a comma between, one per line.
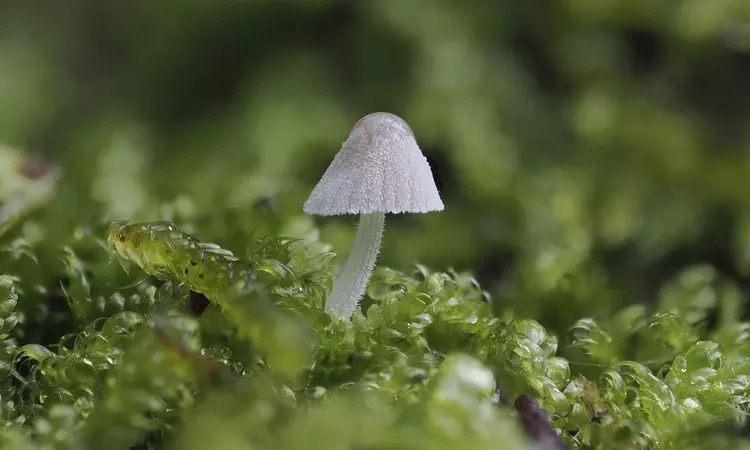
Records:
x=380, y=168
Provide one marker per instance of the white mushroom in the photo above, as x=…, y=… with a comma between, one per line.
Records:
x=379, y=169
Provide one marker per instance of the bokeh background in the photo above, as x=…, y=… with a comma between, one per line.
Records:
x=589, y=152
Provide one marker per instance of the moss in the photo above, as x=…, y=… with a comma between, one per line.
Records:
x=423, y=365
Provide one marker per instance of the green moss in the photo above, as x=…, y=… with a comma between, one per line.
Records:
x=417, y=368
x=592, y=156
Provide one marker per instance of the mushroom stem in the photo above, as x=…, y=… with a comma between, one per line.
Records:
x=349, y=287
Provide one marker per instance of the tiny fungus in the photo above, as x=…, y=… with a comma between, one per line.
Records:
x=380, y=169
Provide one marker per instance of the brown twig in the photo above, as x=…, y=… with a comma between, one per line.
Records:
x=536, y=423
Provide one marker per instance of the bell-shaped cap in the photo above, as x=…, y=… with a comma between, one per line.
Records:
x=380, y=168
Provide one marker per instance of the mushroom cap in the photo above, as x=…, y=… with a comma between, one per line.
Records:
x=380, y=168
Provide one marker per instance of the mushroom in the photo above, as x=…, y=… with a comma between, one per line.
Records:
x=380, y=169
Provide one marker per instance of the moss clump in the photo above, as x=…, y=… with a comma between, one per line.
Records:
x=103, y=347
x=430, y=362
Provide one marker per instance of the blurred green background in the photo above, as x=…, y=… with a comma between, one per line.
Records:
x=587, y=151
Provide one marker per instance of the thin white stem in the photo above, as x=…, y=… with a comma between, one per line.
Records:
x=350, y=286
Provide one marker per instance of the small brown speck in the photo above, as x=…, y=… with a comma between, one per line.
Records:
x=198, y=303
x=35, y=168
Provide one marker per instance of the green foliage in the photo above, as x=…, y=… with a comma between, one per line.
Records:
x=592, y=156
x=427, y=363
x=264, y=367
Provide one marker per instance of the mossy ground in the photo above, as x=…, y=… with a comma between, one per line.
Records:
x=593, y=158
x=113, y=354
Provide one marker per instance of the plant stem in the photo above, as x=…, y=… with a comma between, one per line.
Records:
x=350, y=286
